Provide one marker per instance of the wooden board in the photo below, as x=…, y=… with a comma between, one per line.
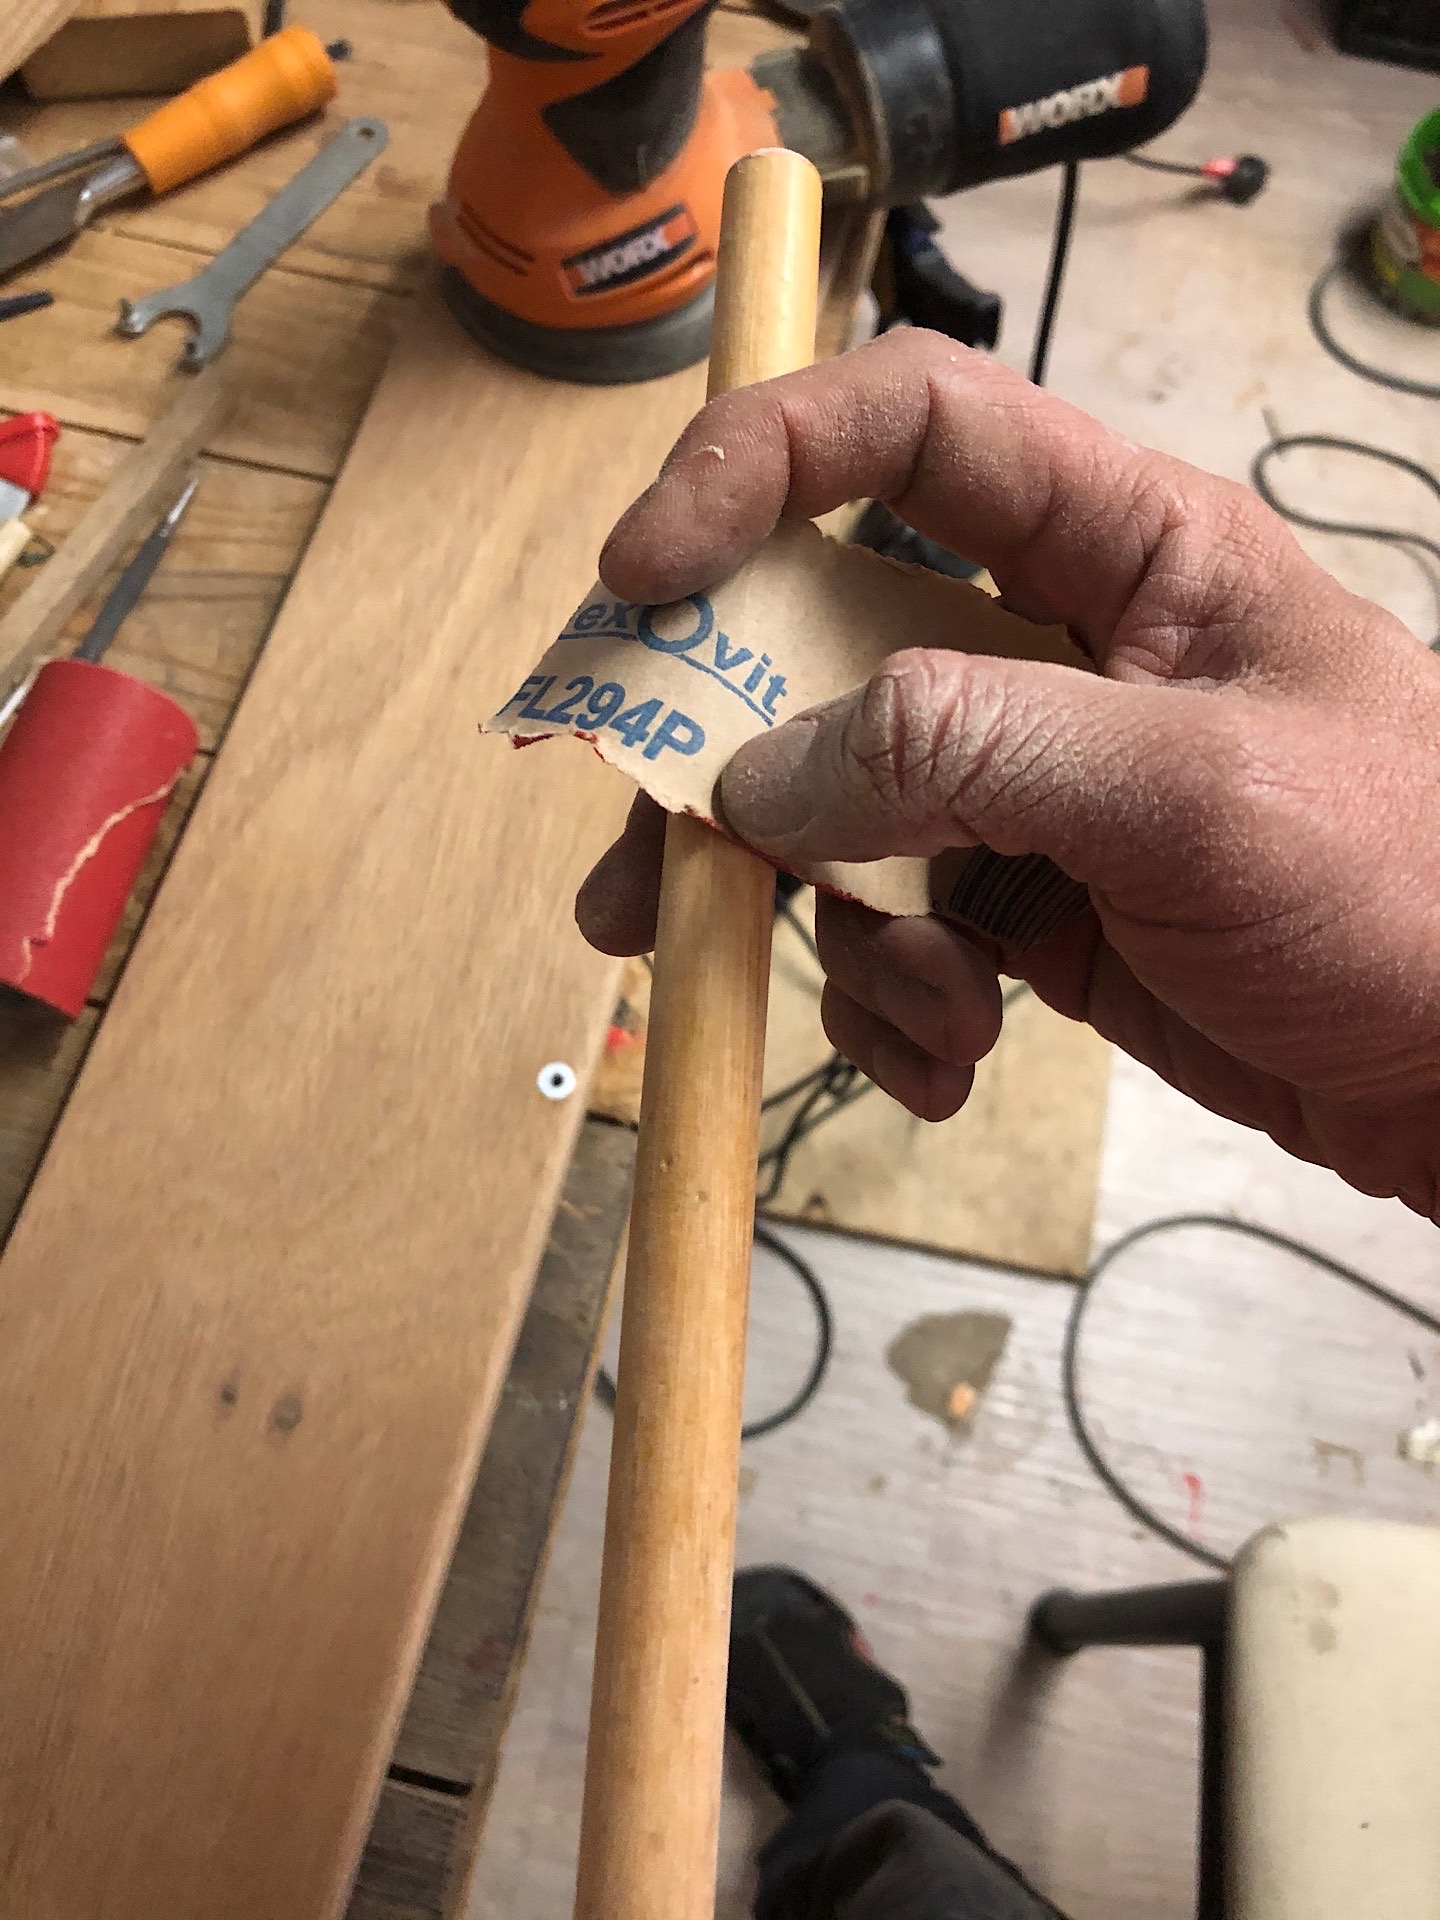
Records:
x=200, y=627
x=27, y=24
x=253, y=1322
x=115, y=47
x=433, y=1805
x=197, y=633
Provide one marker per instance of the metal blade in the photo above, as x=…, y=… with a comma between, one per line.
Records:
x=134, y=580
x=51, y=218
x=13, y=184
x=57, y=213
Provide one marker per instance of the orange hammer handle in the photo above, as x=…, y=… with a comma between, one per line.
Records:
x=280, y=81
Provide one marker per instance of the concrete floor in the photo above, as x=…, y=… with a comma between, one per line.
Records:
x=1229, y=1385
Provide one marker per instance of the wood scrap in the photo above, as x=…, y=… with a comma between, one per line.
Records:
x=26, y=25
x=111, y=48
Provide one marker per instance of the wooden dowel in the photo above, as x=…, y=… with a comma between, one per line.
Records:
x=652, y=1779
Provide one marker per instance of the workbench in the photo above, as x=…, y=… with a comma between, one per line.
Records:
x=309, y=345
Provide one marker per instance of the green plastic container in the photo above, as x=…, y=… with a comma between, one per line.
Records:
x=1405, y=247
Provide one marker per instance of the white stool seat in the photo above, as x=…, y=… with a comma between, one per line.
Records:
x=1333, y=1723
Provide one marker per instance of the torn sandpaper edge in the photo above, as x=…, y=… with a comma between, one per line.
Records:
x=667, y=694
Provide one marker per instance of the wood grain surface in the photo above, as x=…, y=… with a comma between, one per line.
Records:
x=253, y=1321
x=27, y=24
x=434, y=1802
x=115, y=47
x=141, y=488
x=304, y=356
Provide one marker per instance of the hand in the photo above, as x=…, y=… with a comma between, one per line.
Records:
x=1249, y=788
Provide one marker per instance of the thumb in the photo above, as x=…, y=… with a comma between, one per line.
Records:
x=939, y=750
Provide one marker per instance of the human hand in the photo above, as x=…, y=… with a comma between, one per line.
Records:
x=1249, y=788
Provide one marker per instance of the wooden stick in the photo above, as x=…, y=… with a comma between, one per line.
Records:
x=143, y=485
x=652, y=1782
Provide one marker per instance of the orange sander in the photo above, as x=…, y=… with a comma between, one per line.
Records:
x=579, y=227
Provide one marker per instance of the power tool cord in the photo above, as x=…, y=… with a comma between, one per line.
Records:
x=1406, y=538
x=1108, y=1476
x=1344, y=262
x=1055, y=276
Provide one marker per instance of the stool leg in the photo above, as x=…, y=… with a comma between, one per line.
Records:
x=1190, y=1614
x=1187, y=1615
x=1210, y=1892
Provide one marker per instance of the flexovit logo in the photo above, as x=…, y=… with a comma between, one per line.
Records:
x=1124, y=89
x=631, y=256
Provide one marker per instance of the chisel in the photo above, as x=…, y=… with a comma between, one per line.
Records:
x=280, y=81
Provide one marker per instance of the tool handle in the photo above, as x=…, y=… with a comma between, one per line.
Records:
x=280, y=81
x=652, y=1783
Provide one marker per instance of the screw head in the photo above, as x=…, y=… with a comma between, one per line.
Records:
x=556, y=1080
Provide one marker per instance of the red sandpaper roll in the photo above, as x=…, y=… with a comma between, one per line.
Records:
x=85, y=773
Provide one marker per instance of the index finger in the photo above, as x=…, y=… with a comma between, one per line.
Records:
x=1068, y=516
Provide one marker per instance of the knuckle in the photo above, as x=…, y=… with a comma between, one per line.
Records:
x=919, y=735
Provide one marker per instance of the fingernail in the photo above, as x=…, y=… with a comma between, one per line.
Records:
x=764, y=791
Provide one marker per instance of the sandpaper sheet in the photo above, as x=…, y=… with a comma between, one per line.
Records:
x=669, y=693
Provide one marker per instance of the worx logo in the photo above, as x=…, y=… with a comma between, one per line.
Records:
x=1127, y=88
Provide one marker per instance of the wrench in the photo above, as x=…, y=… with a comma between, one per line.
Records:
x=208, y=298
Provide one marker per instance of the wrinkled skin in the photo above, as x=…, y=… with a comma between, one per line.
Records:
x=1250, y=788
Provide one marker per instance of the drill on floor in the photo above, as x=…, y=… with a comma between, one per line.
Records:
x=579, y=228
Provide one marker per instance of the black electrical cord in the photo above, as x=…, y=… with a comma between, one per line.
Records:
x=1237, y=177
x=1280, y=444
x=819, y=1361
x=1345, y=261
x=1080, y=1427
x=1153, y=165
x=1055, y=278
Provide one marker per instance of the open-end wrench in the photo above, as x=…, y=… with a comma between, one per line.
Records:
x=208, y=298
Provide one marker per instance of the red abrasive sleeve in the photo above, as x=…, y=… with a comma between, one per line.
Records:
x=85, y=774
